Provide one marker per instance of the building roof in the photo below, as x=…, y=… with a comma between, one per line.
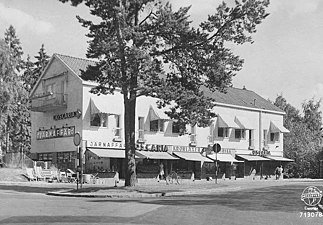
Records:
x=76, y=64
x=233, y=96
x=241, y=97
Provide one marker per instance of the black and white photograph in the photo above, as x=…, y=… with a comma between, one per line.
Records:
x=164, y=112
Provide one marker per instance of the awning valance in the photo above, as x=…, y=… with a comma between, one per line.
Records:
x=157, y=114
x=226, y=121
x=253, y=158
x=192, y=156
x=279, y=158
x=108, y=153
x=275, y=127
x=243, y=123
x=154, y=155
x=223, y=158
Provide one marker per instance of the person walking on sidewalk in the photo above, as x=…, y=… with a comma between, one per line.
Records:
x=161, y=174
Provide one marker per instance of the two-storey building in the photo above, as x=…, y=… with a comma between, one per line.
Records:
x=248, y=128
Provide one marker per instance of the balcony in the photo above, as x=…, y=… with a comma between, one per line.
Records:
x=48, y=102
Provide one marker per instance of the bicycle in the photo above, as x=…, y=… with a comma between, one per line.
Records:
x=173, y=176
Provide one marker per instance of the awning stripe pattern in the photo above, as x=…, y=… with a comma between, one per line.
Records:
x=223, y=158
x=192, y=156
x=253, y=158
x=155, y=155
x=275, y=127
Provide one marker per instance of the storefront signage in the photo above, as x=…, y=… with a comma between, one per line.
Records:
x=68, y=115
x=261, y=153
x=55, y=133
x=152, y=148
x=102, y=144
x=186, y=149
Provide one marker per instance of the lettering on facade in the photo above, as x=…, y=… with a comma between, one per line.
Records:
x=68, y=115
x=55, y=133
x=104, y=144
x=186, y=149
x=152, y=147
x=261, y=153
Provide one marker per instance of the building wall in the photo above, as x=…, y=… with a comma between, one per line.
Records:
x=45, y=120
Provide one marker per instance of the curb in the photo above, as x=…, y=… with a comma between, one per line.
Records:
x=124, y=195
x=64, y=193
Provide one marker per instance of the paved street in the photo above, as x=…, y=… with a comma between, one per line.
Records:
x=253, y=203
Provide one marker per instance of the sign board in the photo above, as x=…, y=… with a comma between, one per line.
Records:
x=77, y=139
x=216, y=147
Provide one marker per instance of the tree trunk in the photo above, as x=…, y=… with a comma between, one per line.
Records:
x=130, y=145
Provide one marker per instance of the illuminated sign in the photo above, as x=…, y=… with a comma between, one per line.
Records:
x=55, y=133
x=68, y=115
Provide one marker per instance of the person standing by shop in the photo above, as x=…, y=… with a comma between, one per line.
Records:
x=161, y=172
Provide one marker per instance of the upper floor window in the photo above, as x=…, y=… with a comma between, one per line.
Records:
x=175, y=128
x=99, y=120
x=50, y=89
x=265, y=133
x=274, y=137
x=193, y=134
x=240, y=134
x=141, y=128
x=117, y=132
x=223, y=132
x=157, y=125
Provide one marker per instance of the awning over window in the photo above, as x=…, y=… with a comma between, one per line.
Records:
x=108, y=153
x=100, y=105
x=279, y=158
x=154, y=155
x=157, y=114
x=227, y=121
x=275, y=127
x=223, y=158
x=192, y=156
x=243, y=123
x=253, y=158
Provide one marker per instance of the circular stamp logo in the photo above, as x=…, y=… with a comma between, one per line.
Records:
x=311, y=196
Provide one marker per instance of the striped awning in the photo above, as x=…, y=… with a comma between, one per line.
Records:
x=253, y=158
x=223, y=158
x=276, y=127
x=279, y=158
x=227, y=121
x=157, y=114
x=192, y=156
x=108, y=153
x=243, y=123
x=154, y=155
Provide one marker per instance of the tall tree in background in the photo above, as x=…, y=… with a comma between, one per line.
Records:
x=15, y=48
x=302, y=144
x=147, y=49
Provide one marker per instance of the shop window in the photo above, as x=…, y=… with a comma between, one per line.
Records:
x=45, y=156
x=99, y=120
x=223, y=132
x=274, y=137
x=157, y=125
x=117, y=129
x=239, y=134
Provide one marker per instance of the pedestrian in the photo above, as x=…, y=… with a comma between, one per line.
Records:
x=280, y=173
x=161, y=172
x=277, y=172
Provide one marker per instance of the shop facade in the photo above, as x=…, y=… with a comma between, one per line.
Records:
x=246, y=125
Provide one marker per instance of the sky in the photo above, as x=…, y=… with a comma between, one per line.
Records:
x=285, y=59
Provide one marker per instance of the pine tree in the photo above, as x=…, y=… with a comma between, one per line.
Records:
x=15, y=48
x=135, y=42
